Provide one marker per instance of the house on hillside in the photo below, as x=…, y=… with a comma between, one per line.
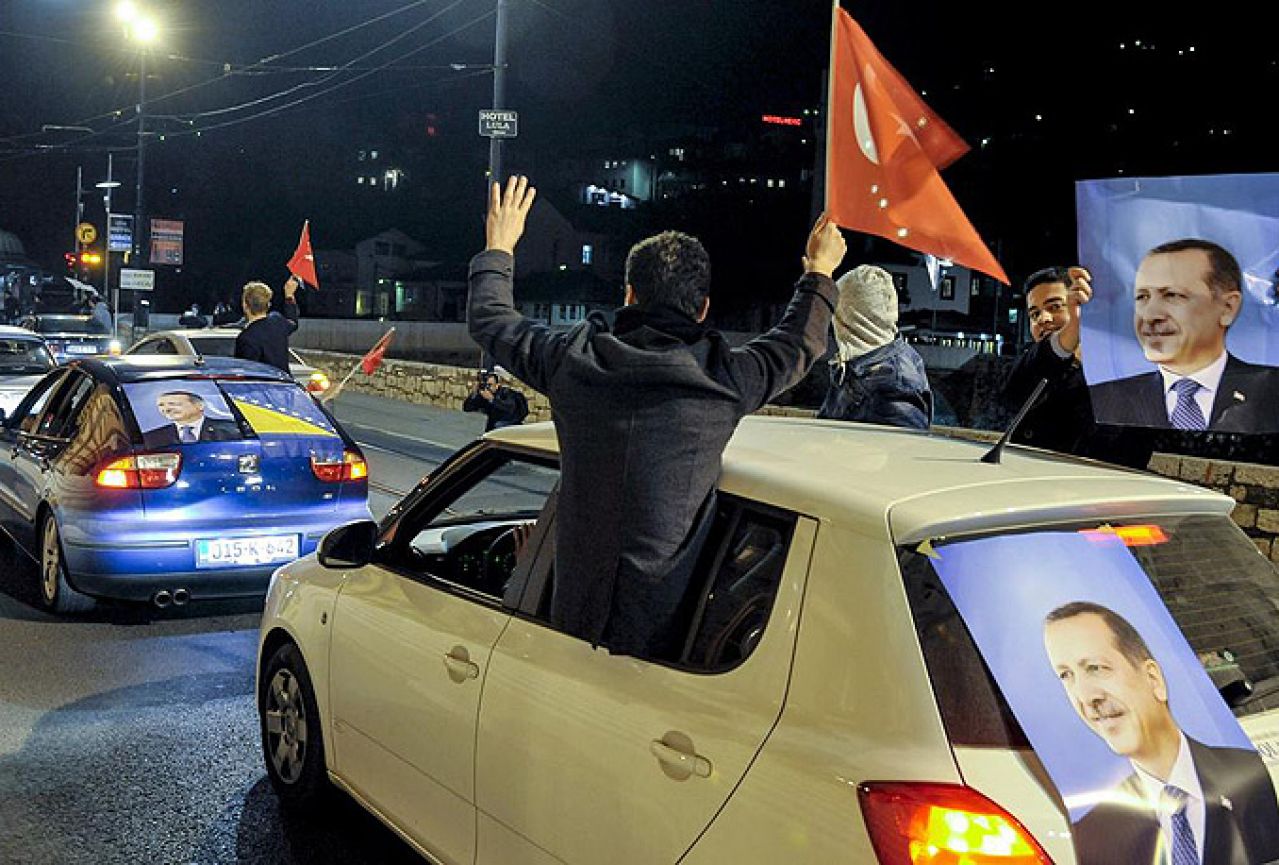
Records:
x=565, y=297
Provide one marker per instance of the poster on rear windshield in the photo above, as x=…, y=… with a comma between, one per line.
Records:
x=1149, y=761
x=180, y=412
x=174, y=413
x=1182, y=331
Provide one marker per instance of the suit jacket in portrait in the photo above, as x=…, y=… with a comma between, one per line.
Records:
x=1247, y=400
x=212, y=431
x=1241, y=825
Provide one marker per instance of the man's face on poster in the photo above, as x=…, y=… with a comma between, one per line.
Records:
x=1122, y=702
x=180, y=408
x=1179, y=320
x=1048, y=309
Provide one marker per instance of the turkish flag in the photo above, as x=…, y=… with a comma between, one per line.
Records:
x=885, y=148
x=371, y=361
x=302, y=264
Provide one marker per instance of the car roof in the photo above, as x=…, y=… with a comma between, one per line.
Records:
x=921, y=485
x=188, y=332
x=127, y=369
x=9, y=331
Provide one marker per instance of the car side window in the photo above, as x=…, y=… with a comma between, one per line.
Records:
x=59, y=419
x=730, y=597
x=101, y=433
x=27, y=415
x=473, y=533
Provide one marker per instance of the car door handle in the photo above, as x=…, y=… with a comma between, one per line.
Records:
x=682, y=760
x=458, y=662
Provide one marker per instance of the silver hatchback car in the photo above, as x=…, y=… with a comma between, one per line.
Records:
x=220, y=342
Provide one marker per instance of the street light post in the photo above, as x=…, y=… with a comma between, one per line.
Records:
x=499, y=92
x=142, y=124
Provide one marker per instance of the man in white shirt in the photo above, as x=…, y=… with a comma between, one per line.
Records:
x=1185, y=803
x=1187, y=294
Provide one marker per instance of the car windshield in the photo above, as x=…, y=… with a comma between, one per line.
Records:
x=71, y=324
x=1195, y=580
x=24, y=357
x=214, y=346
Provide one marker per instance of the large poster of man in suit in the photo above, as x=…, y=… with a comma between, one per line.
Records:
x=1150, y=763
x=1183, y=329
x=184, y=412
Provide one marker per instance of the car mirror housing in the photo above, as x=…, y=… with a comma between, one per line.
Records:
x=348, y=546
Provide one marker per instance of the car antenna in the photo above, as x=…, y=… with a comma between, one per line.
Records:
x=992, y=456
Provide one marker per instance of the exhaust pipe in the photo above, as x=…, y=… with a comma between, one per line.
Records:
x=180, y=597
x=162, y=598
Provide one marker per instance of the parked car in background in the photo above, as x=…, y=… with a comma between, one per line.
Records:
x=827, y=702
x=24, y=359
x=170, y=479
x=220, y=342
x=71, y=336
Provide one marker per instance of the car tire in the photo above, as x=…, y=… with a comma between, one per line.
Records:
x=55, y=592
x=292, y=741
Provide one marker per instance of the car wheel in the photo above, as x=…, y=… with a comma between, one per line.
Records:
x=55, y=591
x=292, y=741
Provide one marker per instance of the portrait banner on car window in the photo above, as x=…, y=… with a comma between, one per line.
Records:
x=1145, y=753
x=1182, y=330
x=181, y=412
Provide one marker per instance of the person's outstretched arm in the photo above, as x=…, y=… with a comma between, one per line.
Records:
x=777, y=360
x=528, y=350
x=291, y=302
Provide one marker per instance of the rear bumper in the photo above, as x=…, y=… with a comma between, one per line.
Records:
x=135, y=566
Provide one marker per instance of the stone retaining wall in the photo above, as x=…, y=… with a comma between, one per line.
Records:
x=1254, y=487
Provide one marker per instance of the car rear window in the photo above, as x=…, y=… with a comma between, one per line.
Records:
x=214, y=346
x=24, y=357
x=1220, y=591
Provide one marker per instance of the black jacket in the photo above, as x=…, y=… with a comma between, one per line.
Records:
x=1241, y=825
x=643, y=410
x=267, y=339
x=1062, y=418
x=1247, y=400
x=508, y=407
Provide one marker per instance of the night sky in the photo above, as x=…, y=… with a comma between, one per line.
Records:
x=1057, y=93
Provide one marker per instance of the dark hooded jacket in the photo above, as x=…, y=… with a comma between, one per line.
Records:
x=643, y=410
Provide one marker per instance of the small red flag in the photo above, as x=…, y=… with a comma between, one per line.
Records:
x=302, y=264
x=371, y=361
x=885, y=148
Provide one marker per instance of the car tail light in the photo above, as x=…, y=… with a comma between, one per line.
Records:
x=1132, y=536
x=142, y=471
x=351, y=467
x=317, y=383
x=943, y=824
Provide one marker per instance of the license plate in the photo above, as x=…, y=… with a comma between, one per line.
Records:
x=263, y=550
x=82, y=349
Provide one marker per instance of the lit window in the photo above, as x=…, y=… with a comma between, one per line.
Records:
x=362, y=155
x=781, y=184
x=372, y=181
x=771, y=183
x=360, y=180
x=372, y=154
x=587, y=253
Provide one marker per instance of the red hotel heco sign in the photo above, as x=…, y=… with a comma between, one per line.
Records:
x=779, y=120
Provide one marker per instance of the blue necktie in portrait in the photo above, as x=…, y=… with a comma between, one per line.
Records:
x=186, y=434
x=1183, y=847
x=1186, y=414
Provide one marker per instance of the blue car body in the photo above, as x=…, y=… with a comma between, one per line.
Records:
x=244, y=498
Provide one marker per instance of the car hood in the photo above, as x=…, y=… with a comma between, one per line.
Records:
x=14, y=387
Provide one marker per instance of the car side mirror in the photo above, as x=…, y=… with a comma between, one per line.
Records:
x=348, y=546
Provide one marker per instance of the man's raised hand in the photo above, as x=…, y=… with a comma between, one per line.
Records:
x=826, y=247
x=507, y=211
x=1079, y=291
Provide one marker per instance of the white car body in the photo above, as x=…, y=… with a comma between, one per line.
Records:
x=190, y=341
x=14, y=387
x=480, y=734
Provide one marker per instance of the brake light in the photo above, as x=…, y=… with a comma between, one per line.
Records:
x=1132, y=536
x=317, y=383
x=142, y=471
x=932, y=824
x=351, y=467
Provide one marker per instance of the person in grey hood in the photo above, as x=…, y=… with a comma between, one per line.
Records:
x=875, y=375
x=643, y=410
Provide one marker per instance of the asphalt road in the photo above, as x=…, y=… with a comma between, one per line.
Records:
x=130, y=735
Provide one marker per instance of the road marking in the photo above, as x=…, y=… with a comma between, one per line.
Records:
x=408, y=438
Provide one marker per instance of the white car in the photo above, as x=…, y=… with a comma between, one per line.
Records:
x=833, y=700
x=24, y=359
x=220, y=342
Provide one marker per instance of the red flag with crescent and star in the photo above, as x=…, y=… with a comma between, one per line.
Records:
x=302, y=264
x=885, y=148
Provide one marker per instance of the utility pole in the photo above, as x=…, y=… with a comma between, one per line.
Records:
x=142, y=126
x=79, y=208
x=499, y=91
